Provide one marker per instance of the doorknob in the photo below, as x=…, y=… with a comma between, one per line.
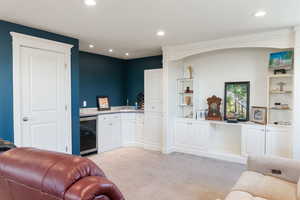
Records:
x=25, y=119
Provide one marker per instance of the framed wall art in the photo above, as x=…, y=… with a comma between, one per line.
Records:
x=237, y=96
x=103, y=103
x=259, y=115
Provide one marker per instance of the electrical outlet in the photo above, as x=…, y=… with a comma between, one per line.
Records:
x=84, y=104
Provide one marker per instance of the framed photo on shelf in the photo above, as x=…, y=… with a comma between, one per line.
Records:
x=103, y=103
x=259, y=115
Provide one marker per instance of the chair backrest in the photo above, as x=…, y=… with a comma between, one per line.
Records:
x=28, y=174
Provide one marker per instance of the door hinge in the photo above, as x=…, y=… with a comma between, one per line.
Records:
x=67, y=149
x=66, y=66
x=66, y=107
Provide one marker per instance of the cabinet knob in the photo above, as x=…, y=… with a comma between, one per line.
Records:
x=25, y=119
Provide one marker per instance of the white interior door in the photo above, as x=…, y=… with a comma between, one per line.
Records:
x=43, y=99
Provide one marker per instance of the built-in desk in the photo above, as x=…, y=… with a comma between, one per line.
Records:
x=231, y=141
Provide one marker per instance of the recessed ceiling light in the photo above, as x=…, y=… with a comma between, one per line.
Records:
x=91, y=46
x=126, y=54
x=110, y=50
x=260, y=13
x=160, y=33
x=90, y=2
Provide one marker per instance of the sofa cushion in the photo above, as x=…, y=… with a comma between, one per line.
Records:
x=239, y=195
x=267, y=187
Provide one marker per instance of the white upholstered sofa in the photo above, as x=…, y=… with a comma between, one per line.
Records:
x=268, y=178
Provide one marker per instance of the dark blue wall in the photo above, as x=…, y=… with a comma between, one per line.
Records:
x=116, y=78
x=135, y=75
x=6, y=79
x=101, y=75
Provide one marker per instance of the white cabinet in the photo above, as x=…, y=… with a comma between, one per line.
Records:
x=139, y=129
x=267, y=140
x=109, y=132
x=190, y=134
x=153, y=90
x=253, y=140
x=279, y=141
x=128, y=129
x=122, y=130
x=153, y=131
x=152, y=137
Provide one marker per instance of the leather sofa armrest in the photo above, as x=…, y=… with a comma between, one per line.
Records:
x=93, y=188
x=282, y=168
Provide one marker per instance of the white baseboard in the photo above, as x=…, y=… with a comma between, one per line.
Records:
x=210, y=154
x=152, y=147
x=193, y=151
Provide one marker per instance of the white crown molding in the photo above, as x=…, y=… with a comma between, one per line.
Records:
x=280, y=39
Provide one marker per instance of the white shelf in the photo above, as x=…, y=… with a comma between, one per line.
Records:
x=281, y=92
x=281, y=76
x=185, y=93
x=280, y=109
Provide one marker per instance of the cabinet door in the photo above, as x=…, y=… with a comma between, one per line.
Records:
x=198, y=135
x=153, y=90
x=253, y=140
x=139, y=132
x=181, y=133
x=279, y=142
x=153, y=130
x=192, y=135
x=109, y=135
x=116, y=134
x=128, y=132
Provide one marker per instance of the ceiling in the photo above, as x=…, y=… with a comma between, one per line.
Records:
x=131, y=25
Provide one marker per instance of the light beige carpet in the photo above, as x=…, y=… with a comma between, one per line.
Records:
x=150, y=175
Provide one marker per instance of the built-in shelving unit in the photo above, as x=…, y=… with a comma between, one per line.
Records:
x=185, y=93
x=280, y=99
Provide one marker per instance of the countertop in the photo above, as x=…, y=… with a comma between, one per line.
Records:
x=88, y=112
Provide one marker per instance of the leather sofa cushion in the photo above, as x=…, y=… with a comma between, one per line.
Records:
x=267, y=187
x=50, y=173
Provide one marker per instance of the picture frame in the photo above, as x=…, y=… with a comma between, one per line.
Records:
x=237, y=101
x=281, y=60
x=103, y=103
x=259, y=115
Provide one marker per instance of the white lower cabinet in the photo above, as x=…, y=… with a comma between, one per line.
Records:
x=266, y=140
x=109, y=132
x=279, y=141
x=253, y=140
x=191, y=135
x=128, y=129
x=139, y=130
x=153, y=131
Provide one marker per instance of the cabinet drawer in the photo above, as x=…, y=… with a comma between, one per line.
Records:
x=109, y=117
x=128, y=116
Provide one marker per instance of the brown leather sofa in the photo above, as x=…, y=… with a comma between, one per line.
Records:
x=31, y=174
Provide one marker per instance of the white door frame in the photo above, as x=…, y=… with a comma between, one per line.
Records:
x=22, y=40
